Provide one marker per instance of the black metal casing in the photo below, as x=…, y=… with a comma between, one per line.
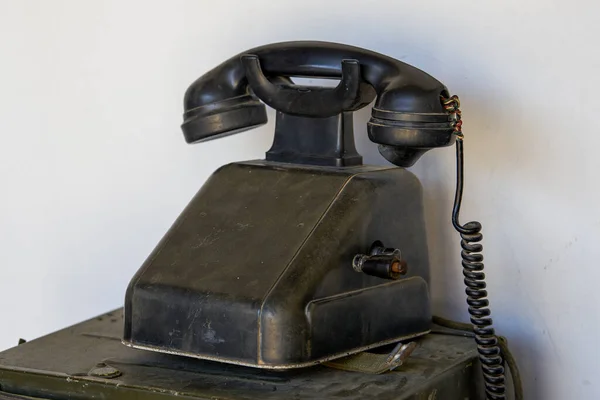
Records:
x=257, y=270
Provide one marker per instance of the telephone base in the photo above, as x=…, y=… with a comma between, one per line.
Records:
x=258, y=269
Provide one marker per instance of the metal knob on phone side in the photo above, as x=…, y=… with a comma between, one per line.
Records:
x=386, y=263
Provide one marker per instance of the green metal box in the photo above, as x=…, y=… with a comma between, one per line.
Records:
x=88, y=361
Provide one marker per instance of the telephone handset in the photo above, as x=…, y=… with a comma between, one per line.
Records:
x=407, y=118
x=413, y=113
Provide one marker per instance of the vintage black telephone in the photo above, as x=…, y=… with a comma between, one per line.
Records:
x=261, y=267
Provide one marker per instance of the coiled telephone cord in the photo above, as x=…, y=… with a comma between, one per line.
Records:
x=491, y=355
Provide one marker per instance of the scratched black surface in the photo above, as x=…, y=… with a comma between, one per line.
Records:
x=62, y=361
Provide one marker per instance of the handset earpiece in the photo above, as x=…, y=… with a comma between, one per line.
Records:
x=223, y=118
x=403, y=137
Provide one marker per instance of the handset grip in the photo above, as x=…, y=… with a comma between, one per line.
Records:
x=304, y=101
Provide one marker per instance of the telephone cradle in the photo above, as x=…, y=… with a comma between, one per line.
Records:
x=298, y=276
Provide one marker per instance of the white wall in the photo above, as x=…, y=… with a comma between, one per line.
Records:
x=93, y=167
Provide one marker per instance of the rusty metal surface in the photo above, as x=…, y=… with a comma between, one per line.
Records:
x=62, y=365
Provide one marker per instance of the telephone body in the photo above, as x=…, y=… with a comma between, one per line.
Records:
x=260, y=269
